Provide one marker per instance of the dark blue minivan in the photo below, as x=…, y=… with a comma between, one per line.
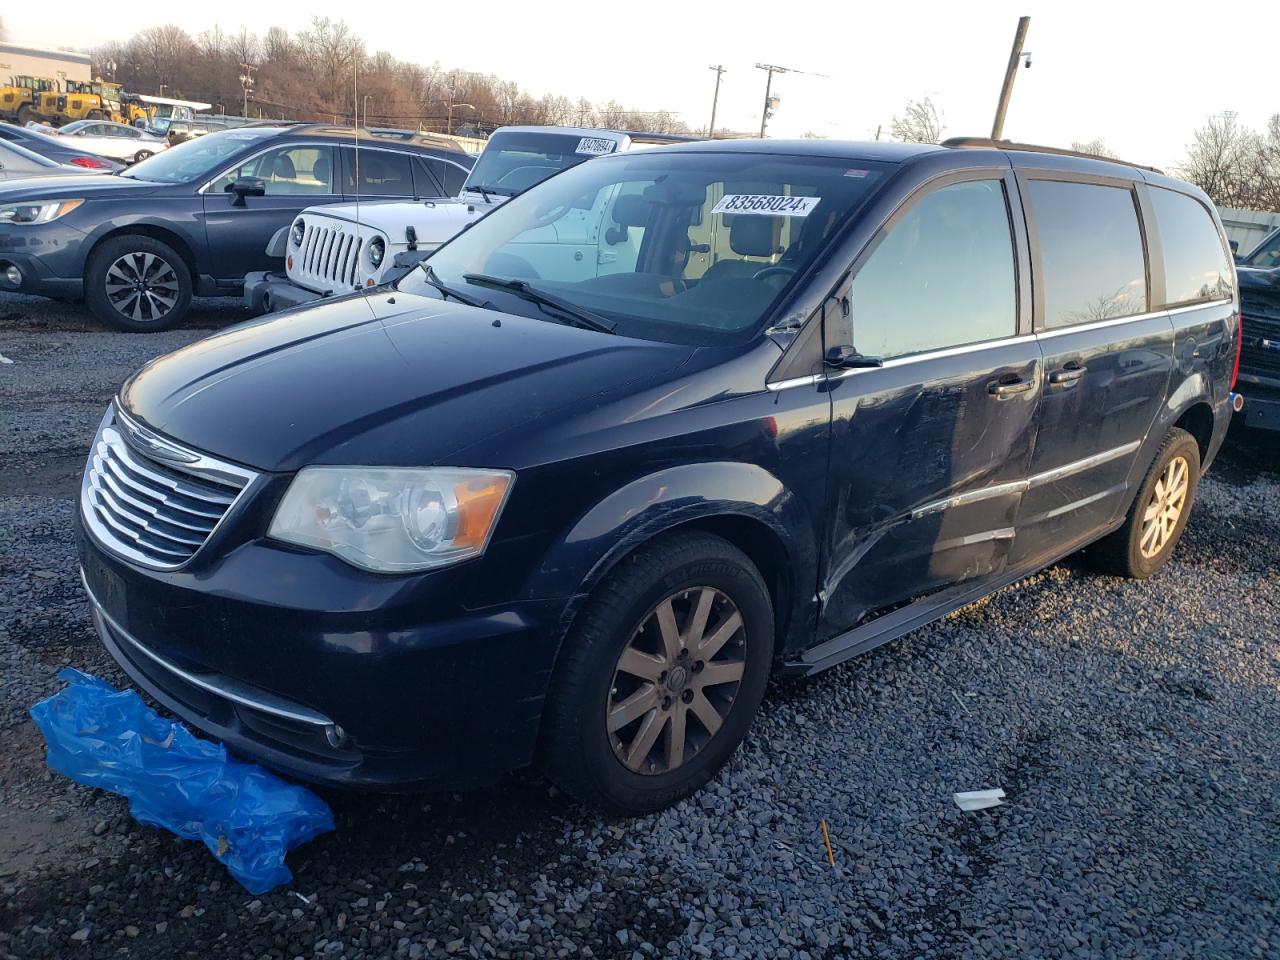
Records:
x=573, y=504
x=196, y=218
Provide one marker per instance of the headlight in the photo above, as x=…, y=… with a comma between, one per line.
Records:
x=393, y=519
x=36, y=211
x=377, y=250
x=299, y=228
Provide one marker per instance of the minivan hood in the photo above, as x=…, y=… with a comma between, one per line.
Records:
x=389, y=380
x=92, y=186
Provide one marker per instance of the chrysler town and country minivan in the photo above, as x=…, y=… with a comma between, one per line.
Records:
x=498, y=514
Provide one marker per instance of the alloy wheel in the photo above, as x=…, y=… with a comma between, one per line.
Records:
x=1164, y=509
x=142, y=286
x=676, y=680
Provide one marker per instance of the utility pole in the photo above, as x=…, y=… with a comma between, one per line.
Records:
x=1010, y=74
x=715, y=100
x=246, y=83
x=770, y=102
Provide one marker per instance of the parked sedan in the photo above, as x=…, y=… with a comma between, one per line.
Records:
x=57, y=149
x=504, y=512
x=19, y=163
x=192, y=220
x=117, y=141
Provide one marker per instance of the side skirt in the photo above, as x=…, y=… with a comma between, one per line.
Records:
x=924, y=611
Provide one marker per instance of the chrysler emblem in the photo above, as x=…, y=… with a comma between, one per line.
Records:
x=153, y=445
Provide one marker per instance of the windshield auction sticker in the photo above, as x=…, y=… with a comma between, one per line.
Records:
x=595, y=146
x=765, y=205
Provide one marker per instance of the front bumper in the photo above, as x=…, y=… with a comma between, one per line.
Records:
x=268, y=292
x=328, y=674
x=50, y=257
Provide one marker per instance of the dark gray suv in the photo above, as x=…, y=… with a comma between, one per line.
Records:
x=196, y=218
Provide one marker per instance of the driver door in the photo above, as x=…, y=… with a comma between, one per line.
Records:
x=294, y=177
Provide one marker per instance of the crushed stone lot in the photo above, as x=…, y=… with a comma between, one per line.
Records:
x=1133, y=727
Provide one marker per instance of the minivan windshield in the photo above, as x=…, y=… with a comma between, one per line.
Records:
x=196, y=159
x=681, y=247
x=514, y=160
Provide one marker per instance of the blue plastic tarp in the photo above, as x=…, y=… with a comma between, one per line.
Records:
x=248, y=818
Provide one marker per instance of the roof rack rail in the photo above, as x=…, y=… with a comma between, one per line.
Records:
x=990, y=144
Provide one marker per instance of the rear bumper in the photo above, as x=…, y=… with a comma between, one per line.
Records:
x=1261, y=410
x=328, y=677
x=267, y=292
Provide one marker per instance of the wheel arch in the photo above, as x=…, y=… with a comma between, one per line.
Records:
x=155, y=232
x=1197, y=419
x=742, y=503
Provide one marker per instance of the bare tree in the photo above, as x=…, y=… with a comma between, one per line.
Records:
x=1219, y=158
x=1096, y=147
x=920, y=122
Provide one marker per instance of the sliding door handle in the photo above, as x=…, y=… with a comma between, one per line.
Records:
x=1068, y=374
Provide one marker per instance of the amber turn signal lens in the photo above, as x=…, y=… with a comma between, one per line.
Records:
x=478, y=504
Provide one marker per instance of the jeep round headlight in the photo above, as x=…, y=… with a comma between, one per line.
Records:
x=377, y=250
x=393, y=519
x=299, y=228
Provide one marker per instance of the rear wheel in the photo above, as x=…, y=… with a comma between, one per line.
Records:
x=1159, y=513
x=95, y=115
x=137, y=283
x=141, y=155
x=24, y=114
x=661, y=676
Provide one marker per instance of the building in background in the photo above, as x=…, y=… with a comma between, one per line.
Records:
x=62, y=65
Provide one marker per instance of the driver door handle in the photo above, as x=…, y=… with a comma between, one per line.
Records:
x=1009, y=388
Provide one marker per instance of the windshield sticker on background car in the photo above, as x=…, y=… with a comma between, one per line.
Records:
x=766, y=205
x=595, y=146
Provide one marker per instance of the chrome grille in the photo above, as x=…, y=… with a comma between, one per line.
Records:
x=328, y=258
x=156, y=512
x=1257, y=353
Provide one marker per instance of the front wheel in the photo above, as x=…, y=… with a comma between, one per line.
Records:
x=141, y=155
x=137, y=283
x=661, y=676
x=1159, y=513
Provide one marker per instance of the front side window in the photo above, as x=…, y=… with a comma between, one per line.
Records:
x=1195, y=262
x=1092, y=262
x=682, y=247
x=286, y=171
x=1266, y=255
x=437, y=177
x=942, y=276
x=382, y=173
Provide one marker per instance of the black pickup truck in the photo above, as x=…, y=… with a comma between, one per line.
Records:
x=1259, y=382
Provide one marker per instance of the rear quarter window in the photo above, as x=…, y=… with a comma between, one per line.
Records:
x=1196, y=267
x=1091, y=255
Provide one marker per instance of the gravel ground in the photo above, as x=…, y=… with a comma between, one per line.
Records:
x=1132, y=725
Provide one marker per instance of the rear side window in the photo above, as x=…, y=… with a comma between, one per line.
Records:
x=382, y=173
x=1195, y=262
x=1092, y=263
x=941, y=276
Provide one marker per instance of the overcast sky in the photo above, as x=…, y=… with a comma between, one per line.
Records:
x=1141, y=77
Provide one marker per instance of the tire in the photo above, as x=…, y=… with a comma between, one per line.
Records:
x=1147, y=539
x=95, y=115
x=591, y=687
x=24, y=114
x=165, y=299
x=141, y=155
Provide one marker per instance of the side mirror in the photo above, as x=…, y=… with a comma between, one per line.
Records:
x=246, y=187
x=845, y=357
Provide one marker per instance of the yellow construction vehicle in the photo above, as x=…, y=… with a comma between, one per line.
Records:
x=19, y=99
x=82, y=100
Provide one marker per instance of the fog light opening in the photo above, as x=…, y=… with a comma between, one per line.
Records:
x=12, y=276
x=335, y=735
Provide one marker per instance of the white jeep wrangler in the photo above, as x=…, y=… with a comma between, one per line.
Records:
x=343, y=247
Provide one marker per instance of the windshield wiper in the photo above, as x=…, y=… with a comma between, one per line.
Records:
x=485, y=191
x=577, y=315
x=447, y=291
